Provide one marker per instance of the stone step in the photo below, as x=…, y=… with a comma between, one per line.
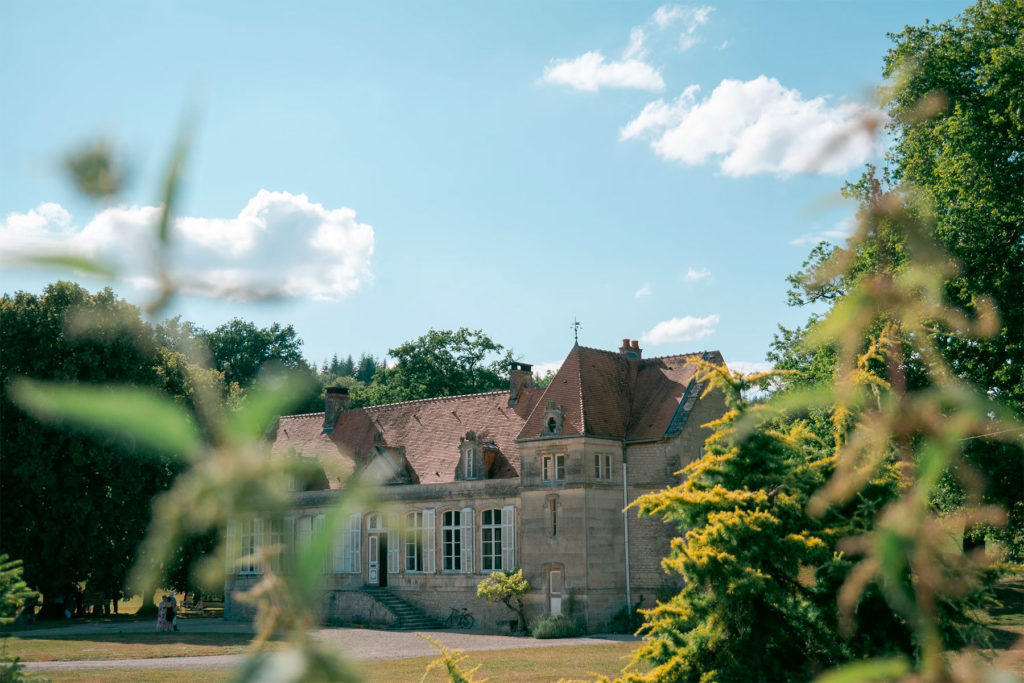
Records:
x=408, y=617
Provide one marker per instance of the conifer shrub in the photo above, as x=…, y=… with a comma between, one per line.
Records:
x=555, y=626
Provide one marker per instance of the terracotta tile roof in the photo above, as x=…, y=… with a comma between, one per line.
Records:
x=606, y=393
x=603, y=393
x=428, y=429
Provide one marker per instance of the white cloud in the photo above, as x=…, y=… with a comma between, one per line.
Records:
x=643, y=291
x=838, y=233
x=687, y=328
x=691, y=18
x=279, y=244
x=542, y=369
x=758, y=126
x=749, y=366
x=697, y=273
x=590, y=72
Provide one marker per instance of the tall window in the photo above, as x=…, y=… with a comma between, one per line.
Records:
x=303, y=534
x=553, y=468
x=470, y=463
x=452, y=541
x=414, y=542
x=602, y=466
x=251, y=540
x=490, y=534
x=275, y=543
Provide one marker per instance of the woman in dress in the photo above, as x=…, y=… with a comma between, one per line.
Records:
x=162, y=623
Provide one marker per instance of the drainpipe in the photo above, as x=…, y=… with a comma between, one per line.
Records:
x=625, y=526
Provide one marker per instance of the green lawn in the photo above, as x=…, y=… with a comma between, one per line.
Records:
x=520, y=665
x=126, y=646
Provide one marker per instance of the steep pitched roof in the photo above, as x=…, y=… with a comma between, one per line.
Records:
x=428, y=429
x=605, y=393
x=602, y=393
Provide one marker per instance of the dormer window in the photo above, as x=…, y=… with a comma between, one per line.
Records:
x=470, y=462
x=552, y=424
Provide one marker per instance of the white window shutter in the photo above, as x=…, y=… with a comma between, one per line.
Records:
x=319, y=523
x=394, y=544
x=356, y=534
x=232, y=550
x=429, y=542
x=508, y=537
x=288, y=541
x=468, y=541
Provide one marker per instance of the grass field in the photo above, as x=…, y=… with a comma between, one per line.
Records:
x=521, y=665
x=126, y=646
x=540, y=664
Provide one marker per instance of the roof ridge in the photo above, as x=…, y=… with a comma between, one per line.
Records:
x=579, y=373
x=288, y=417
x=428, y=400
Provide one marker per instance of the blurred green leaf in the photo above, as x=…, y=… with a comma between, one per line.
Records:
x=147, y=415
x=268, y=399
x=76, y=263
x=870, y=670
x=172, y=184
x=93, y=170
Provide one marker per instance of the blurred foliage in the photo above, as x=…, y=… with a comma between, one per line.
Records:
x=825, y=525
x=451, y=663
x=14, y=592
x=956, y=104
x=94, y=171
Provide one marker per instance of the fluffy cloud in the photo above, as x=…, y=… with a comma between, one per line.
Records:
x=697, y=273
x=279, y=244
x=590, y=72
x=749, y=366
x=687, y=328
x=758, y=126
x=643, y=291
x=691, y=18
x=838, y=233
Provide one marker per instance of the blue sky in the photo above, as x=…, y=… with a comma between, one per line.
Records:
x=650, y=169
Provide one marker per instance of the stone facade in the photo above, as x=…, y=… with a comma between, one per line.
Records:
x=552, y=470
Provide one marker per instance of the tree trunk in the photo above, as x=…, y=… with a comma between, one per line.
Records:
x=148, y=606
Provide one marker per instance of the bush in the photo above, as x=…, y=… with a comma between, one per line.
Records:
x=555, y=626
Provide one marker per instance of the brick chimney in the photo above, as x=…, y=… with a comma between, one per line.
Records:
x=519, y=378
x=631, y=349
x=336, y=401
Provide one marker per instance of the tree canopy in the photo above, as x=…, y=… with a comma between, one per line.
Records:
x=75, y=504
x=441, y=363
x=957, y=161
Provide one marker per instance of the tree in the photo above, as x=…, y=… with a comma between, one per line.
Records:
x=508, y=588
x=75, y=504
x=441, y=363
x=239, y=349
x=956, y=111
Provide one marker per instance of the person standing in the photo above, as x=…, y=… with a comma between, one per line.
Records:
x=162, y=624
x=172, y=611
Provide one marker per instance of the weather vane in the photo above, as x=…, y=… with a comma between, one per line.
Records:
x=576, y=329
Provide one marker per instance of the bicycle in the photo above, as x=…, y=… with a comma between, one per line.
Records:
x=459, y=618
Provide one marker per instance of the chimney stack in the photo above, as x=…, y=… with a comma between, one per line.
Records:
x=631, y=348
x=519, y=378
x=336, y=401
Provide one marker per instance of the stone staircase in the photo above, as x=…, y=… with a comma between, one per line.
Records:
x=407, y=617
